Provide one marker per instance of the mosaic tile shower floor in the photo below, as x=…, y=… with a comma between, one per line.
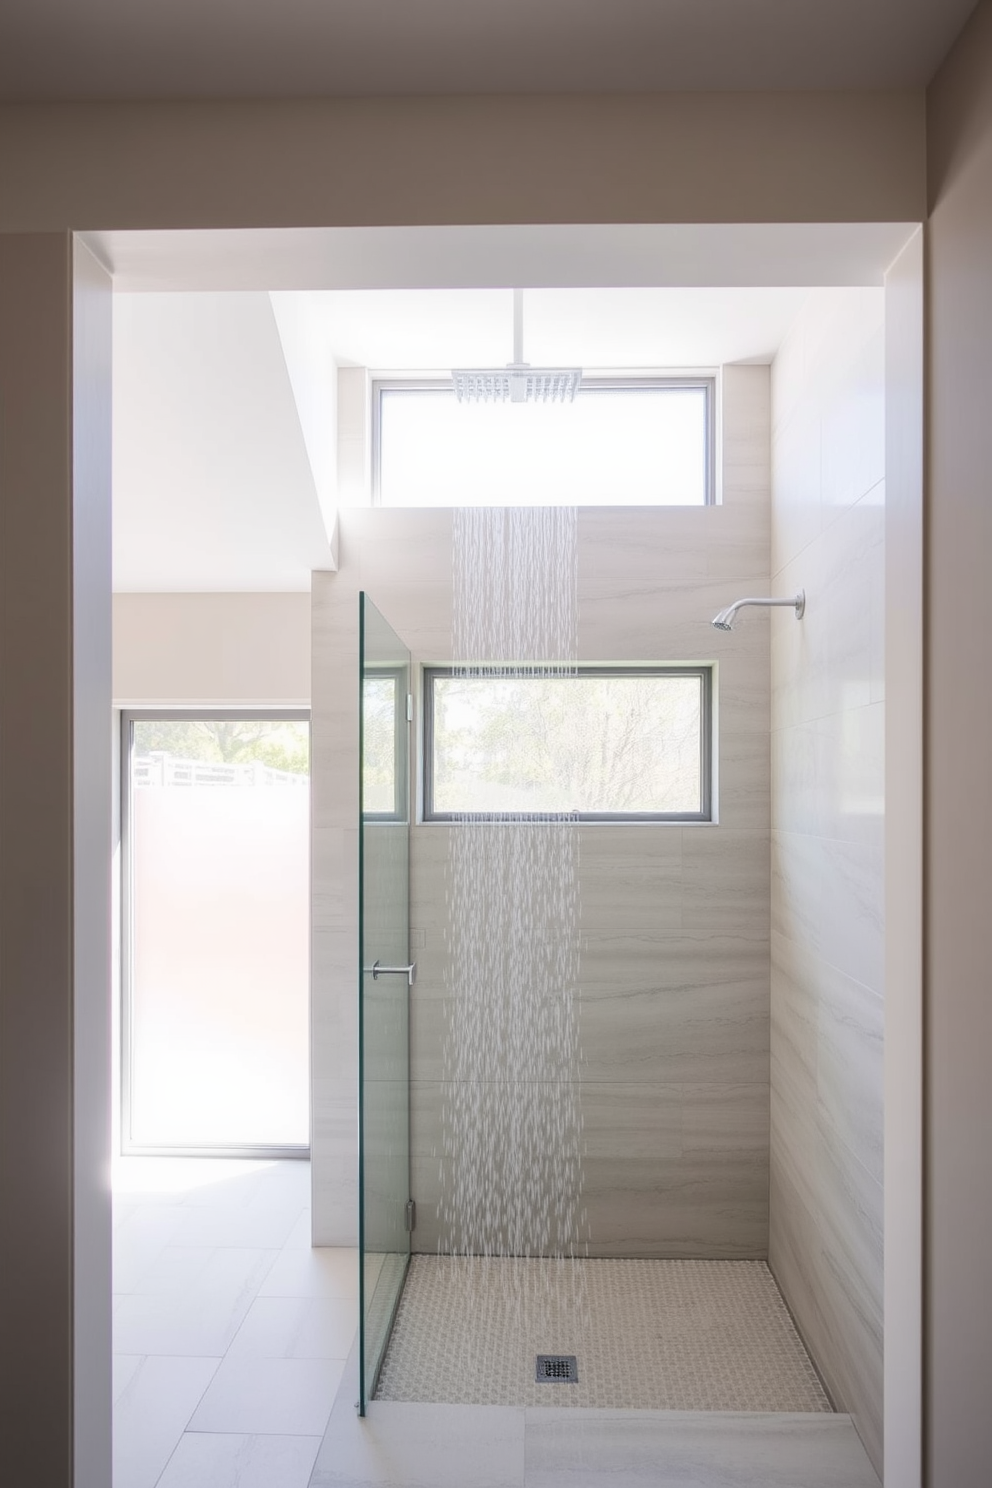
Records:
x=648, y=1335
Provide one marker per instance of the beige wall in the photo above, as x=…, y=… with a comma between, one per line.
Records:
x=828, y=788
x=747, y=157
x=674, y=1005
x=958, y=791
x=212, y=649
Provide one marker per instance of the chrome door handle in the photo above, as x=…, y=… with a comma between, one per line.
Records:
x=378, y=970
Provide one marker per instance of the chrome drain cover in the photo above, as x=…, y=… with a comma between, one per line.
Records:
x=557, y=1369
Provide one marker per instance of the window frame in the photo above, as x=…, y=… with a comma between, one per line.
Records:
x=703, y=670
x=595, y=381
x=401, y=720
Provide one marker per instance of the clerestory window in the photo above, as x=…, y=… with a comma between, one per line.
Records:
x=624, y=441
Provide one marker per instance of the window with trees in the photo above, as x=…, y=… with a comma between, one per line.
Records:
x=589, y=743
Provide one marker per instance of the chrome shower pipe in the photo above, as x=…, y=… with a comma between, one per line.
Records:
x=725, y=619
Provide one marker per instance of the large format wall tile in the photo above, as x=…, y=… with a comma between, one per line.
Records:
x=827, y=875
x=674, y=966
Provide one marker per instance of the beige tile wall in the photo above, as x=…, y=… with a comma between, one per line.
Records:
x=828, y=787
x=675, y=939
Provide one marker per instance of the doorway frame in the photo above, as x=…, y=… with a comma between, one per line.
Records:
x=904, y=892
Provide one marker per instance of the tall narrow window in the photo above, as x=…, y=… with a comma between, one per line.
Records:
x=216, y=955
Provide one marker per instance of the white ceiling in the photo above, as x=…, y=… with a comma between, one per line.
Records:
x=552, y=255
x=396, y=330
x=224, y=452
x=74, y=49
x=221, y=454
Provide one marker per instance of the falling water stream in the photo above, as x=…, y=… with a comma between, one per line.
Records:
x=512, y=1144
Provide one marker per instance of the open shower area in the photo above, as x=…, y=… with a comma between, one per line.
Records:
x=621, y=1068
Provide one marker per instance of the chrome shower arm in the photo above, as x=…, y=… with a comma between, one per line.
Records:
x=725, y=619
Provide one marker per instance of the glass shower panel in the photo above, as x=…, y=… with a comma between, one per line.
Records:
x=386, y=977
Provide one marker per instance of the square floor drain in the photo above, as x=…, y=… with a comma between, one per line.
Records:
x=557, y=1369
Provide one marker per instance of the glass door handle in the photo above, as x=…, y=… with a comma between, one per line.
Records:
x=378, y=970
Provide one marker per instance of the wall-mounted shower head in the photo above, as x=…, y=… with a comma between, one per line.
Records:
x=725, y=619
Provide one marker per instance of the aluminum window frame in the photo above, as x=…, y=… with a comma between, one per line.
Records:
x=705, y=816
x=130, y=716
x=595, y=382
x=401, y=721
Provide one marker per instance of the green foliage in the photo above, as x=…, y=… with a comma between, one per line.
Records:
x=281, y=744
x=595, y=743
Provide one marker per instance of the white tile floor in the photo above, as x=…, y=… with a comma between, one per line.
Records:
x=230, y=1371
x=230, y=1333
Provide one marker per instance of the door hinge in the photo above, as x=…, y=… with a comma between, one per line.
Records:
x=409, y=707
x=411, y=1216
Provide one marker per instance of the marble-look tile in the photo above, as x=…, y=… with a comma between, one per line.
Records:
x=794, y=1150
x=630, y=877
x=151, y=1414
x=744, y=776
x=646, y=1188
x=335, y=1117
x=334, y=877
x=124, y=1368
x=419, y=611
x=389, y=543
x=642, y=1449
x=823, y=664
x=620, y=545
x=714, y=1033
x=216, y=1460
x=262, y=1224
x=796, y=513
x=334, y=1010
x=829, y=776
x=297, y=1328
x=300, y=1236
x=793, y=1258
x=195, y=1301
x=637, y=1123
x=828, y=896
x=725, y=882
x=284, y=1397
x=614, y=965
x=726, y=1120
x=139, y=1240
x=794, y=1020
x=400, y=1445
x=323, y=1272
x=651, y=619
x=704, y=1205
x=825, y=1253
x=852, y=1230
x=850, y=1076
x=335, y=1198
x=742, y=675
x=853, y=424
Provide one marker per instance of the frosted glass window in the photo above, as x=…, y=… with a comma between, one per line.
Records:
x=611, y=745
x=217, y=906
x=617, y=444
